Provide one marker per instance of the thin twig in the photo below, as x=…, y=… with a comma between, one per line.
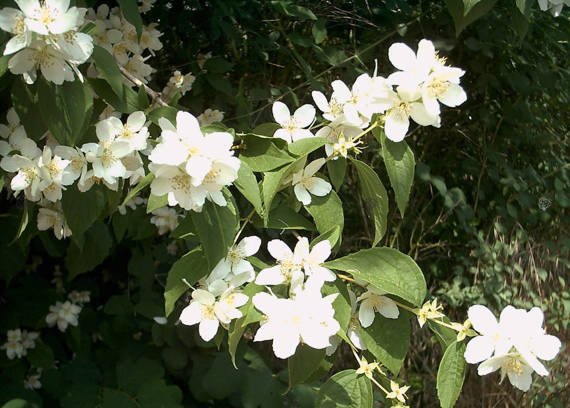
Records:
x=156, y=97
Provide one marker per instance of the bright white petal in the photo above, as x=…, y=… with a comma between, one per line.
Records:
x=304, y=116
x=302, y=194
x=249, y=246
x=478, y=349
x=281, y=113
x=208, y=329
x=482, y=319
x=319, y=187
x=453, y=96
x=402, y=56
x=279, y=249
x=366, y=314
x=192, y=314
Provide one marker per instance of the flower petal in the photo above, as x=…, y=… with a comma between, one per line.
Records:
x=281, y=113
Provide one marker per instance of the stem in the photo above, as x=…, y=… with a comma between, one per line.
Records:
x=153, y=94
x=245, y=222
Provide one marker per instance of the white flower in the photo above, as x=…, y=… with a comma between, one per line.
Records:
x=13, y=346
x=339, y=138
x=150, y=38
x=165, y=219
x=513, y=366
x=77, y=163
x=106, y=155
x=293, y=127
x=494, y=335
x=32, y=382
x=332, y=110
x=13, y=21
x=373, y=301
x=51, y=16
x=53, y=218
x=397, y=392
x=54, y=173
x=209, y=314
x=304, y=182
x=175, y=183
x=133, y=132
x=414, y=68
x=367, y=96
x=181, y=84
x=442, y=85
x=406, y=103
x=308, y=318
x=312, y=260
x=50, y=61
x=234, y=267
x=518, y=341
x=63, y=314
x=27, y=178
x=210, y=116
x=288, y=268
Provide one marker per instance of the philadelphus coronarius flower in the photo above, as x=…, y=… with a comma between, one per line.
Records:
x=234, y=268
x=306, y=318
x=51, y=217
x=190, y=166
x=209, y=313
x=293, y=128
x=305, y=183
x=46, y=38
x=63, y=315
x=514, y=344
x=19, y=342
x=165, y=219
x=373, y=301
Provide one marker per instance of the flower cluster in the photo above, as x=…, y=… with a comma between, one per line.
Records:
x=178, y=85
x=42, y=175
x=32, y=381
x=165, y=219
x=303, y=314
x=190, y=166
x=46, y=37
x=514, y=344
x=216, y=302
x=19, y=342
x=114, y=33
x=415, y=91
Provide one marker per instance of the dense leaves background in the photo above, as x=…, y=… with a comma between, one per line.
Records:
x=473, y=223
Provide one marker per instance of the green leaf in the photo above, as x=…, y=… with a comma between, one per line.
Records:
x=66, y=109
x=463, y=18
x=263, y=153
x=451, y=374
x=145, y=181
x=327, y=213
x=166, y=112
x=400, y=165
x=154, y=202
x=25, y=102
x=82, y=209
x=468, y=5
x=303, y=363
x=4, y=64
x=28, y=206
x=284, y=218
x=127, y=103
x=98, y=243
x=388, y=340
x=41, y=355
x=19, y=403
x=374, y=196
x=273, y=182
x=525, y=6
x=305, y=146
x=345, y=390
x=444, y=335
x=115, y=398
x=216, y=227
x=246, y=183
x=337, y=171
x=319, y=30
x=108, y=69
x=130, y=10
x=190, y=267
x=386, y=269
x=249, y=315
